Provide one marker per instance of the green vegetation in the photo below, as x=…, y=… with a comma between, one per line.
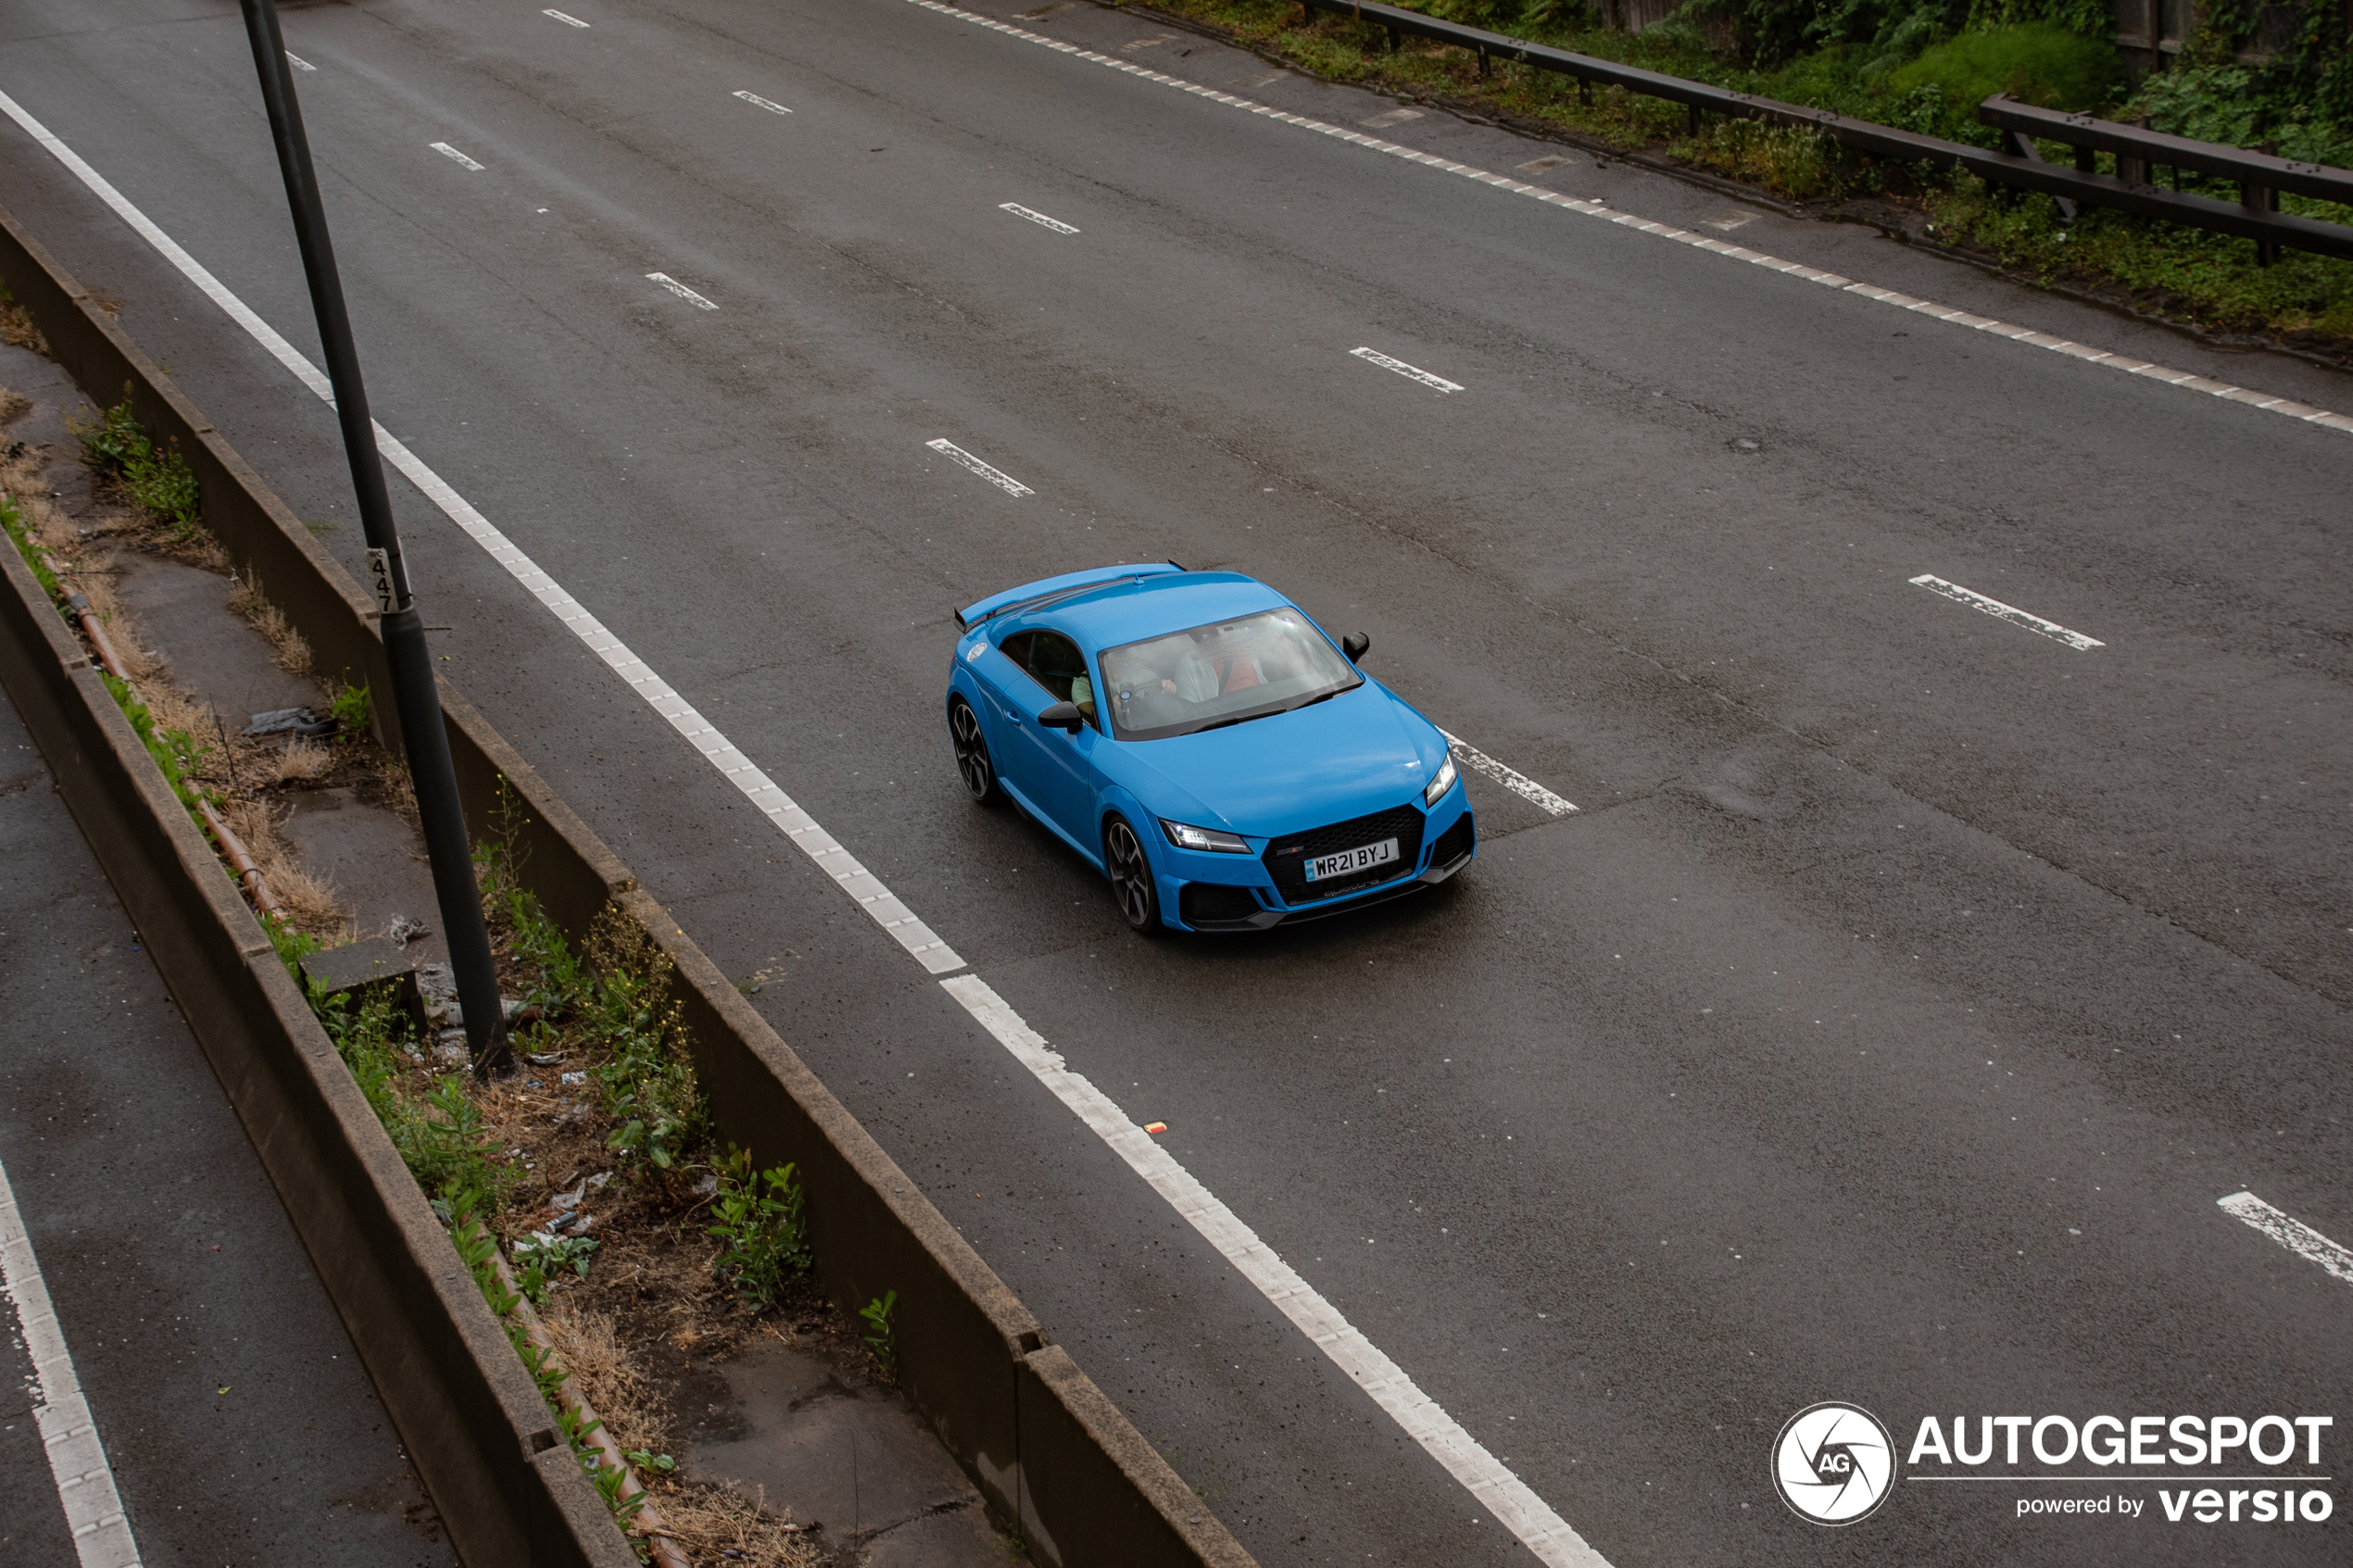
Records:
x=158, y=479
x=175, y=751
x=766, y=1242
x=33, y=556
x=1923, y=67
x=352, y=708
x=881, y=1333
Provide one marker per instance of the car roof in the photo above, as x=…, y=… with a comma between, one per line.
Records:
x=1134, y=608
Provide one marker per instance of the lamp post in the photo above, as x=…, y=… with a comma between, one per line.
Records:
x=415, y=698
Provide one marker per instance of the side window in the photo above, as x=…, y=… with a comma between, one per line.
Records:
x=1054, y=662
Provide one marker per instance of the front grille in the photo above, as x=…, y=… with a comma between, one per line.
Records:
x=1455, y=842
x=1285, y=858
x=1199, y=902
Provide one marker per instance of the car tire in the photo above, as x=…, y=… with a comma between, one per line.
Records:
x=977, y=769
x=1133, y=887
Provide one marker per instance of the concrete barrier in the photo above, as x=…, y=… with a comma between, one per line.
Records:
x=1045, y=1446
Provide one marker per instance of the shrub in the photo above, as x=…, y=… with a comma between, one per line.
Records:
x=2039, y=62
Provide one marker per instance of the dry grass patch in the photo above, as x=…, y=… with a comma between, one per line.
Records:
x=18, y=330
x=721, y=1523
x=247, y=598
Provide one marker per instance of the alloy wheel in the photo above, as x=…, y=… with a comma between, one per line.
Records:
x=1131, y=876
x=972, y=752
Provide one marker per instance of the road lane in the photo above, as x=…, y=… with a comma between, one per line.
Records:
x=1149, y=408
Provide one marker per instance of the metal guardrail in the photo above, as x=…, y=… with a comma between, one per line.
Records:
x=2014, y=171
x=2139, y=151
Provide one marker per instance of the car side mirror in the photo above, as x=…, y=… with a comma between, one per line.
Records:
x=1354, y=645
x=1063, y=715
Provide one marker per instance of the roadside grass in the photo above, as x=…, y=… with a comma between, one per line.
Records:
x=2185, y=275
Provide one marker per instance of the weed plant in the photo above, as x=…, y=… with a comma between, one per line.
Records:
x=882, y=1333
x=763, y=1240
x=158, y=480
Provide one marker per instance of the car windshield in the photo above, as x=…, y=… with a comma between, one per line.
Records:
x=1222, y=673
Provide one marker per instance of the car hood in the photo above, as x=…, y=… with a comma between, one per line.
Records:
x=1360, y=752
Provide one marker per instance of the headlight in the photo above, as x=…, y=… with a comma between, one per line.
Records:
x=1441, y=784
x=1185, y=837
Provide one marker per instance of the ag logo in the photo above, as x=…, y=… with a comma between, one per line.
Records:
x=1834, y=1464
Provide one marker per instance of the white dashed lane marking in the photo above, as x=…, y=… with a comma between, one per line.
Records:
x=569, y=21
x=77, y=1459
x=1056, y=224
x=1510, y=1500
x=298, y=62
x=1517, y=782
x=2253, y=399
x=454, y=155
x=759, y=102
x=2011, y=614
x=2294, y=1235
x=1408, y=371
x=962, y=459
x=681, y=290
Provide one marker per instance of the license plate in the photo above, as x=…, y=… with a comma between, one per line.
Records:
x=1348, y=862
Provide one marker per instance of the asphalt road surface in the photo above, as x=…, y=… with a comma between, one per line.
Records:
x=238, y=1426
x=1883, y=1026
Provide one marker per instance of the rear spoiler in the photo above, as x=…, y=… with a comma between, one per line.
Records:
x=1029, y=596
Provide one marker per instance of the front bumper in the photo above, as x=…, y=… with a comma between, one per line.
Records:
x=1245, y=899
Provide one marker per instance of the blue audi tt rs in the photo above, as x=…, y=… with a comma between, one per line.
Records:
x=1203, y=744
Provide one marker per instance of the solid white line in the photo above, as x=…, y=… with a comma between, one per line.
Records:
x=681, y=290
x=1408, y=371
x=77, y=1459
x=763, y=103
x=1510, y=1501
x=1517, y=782
x=446, y=150
x=2011, y=614
x=298, y=62
x=1514, y=1506
x=2302, y=411
x=2294, y=1235
x=878, y=901
x=1039, y=218
x=575, y=21
x=997, y=477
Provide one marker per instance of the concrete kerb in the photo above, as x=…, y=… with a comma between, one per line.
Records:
x=468, y=1412
x=1044, y=1444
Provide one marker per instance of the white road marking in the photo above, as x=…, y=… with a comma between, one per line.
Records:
x=681, y=290
x=77, y=1459
x=298, y=62
x=853, y=878
x=756, y=98
x=1142, y=44
x=1733, y=221
x=2253, y=399
x=1408, y=371
x=1517, y=782
x=446, y=150
x=997, y=477
x=2011, y=614
x=2294, y=1235
x=1509, y=1498
x=1039, y=218
x=573, y=21
x=1394, y=117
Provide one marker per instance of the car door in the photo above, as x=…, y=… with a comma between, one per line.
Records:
x=1056, y=769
